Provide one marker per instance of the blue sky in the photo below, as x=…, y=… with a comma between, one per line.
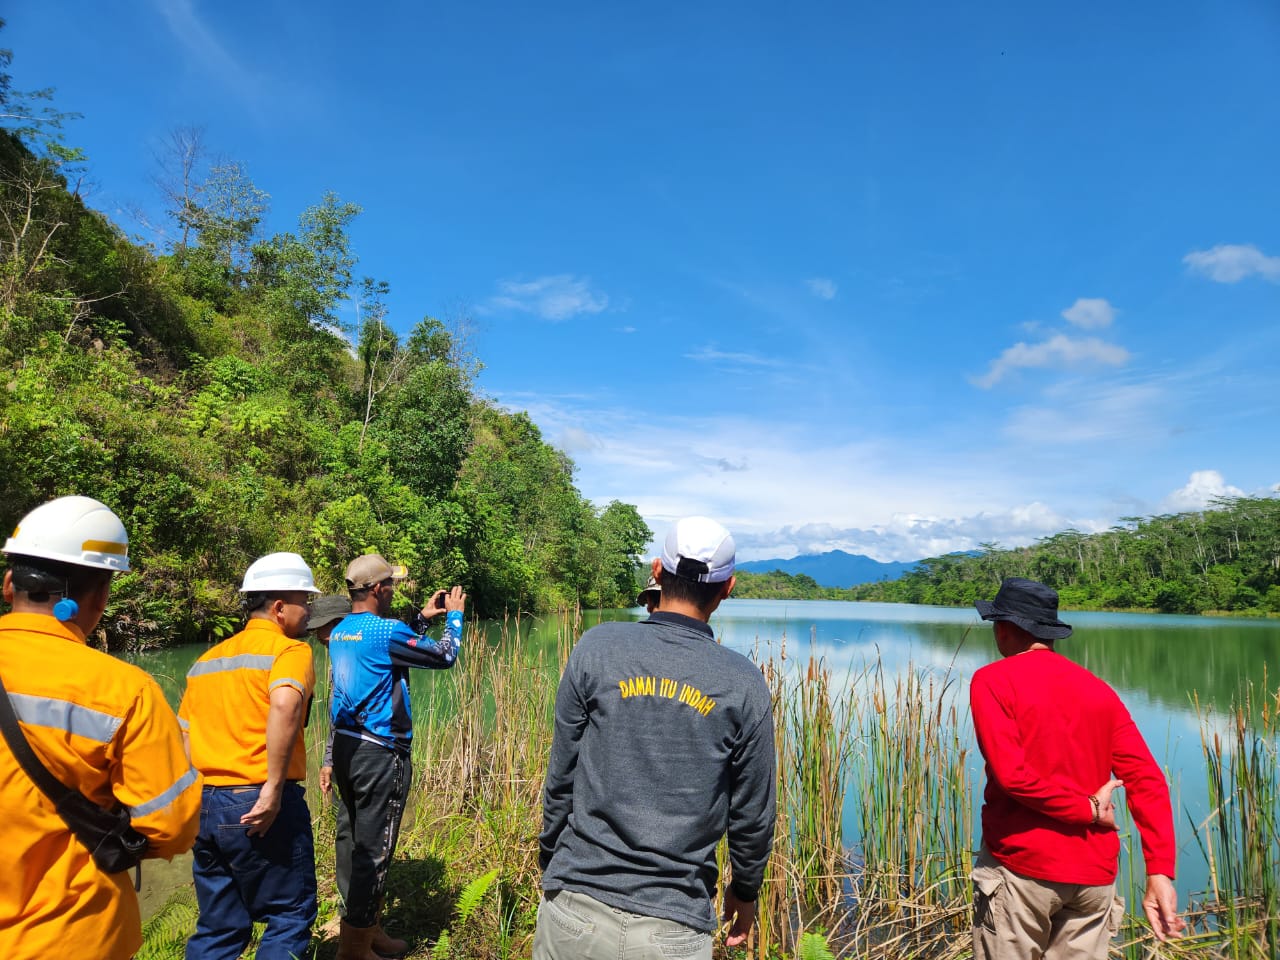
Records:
x=890, y=278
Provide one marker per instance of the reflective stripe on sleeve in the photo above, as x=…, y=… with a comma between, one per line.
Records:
x=64, y=715
x=166, y=798
x=289, y=681
x=244, y=661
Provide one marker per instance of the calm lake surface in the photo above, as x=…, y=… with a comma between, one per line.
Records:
x=1157, y=663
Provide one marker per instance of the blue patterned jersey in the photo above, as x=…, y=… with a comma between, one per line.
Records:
x=371, y=657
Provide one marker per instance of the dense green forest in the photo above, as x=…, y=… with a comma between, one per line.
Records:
x=780, y=585
x=1223, y=559
x=216, y=392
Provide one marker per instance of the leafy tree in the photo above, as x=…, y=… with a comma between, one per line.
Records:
x=227, y=216
x=624, y=536
x=181, y=159
x=427, y=421
x=307, y=275
x=30, y=116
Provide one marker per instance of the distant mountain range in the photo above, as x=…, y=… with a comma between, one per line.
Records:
x=835, y=568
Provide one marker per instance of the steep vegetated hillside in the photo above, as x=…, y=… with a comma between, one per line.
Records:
x=212, y=393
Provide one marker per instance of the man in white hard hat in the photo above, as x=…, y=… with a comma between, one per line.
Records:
x=99, y=725
x=243, y=714
x=372, y=654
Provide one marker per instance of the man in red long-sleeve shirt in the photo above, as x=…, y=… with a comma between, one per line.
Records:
x=1044, y=883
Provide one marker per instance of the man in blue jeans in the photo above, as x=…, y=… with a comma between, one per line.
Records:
x=242, y=717
x=372, y=654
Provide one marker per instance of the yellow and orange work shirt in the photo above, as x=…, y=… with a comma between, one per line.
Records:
x=102, y=726
x=224, y=711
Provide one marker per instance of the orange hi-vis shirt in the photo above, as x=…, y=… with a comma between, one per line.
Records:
x=224, y=711
x=102, y=726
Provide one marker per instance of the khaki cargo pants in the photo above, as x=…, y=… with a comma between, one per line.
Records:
x=1021, y=918
x=573, y=926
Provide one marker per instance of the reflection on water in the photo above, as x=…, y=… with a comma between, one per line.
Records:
x=1155, y=662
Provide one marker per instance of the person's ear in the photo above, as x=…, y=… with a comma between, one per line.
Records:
x=8, y=587
x=728, y=587
x=655, y=569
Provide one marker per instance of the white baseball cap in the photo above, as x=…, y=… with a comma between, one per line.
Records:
x=699, y=549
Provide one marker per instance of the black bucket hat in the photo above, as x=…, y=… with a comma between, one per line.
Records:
x=328, y=609
x=1028, y=604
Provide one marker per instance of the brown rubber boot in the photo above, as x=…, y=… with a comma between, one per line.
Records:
x=356, y=943
x=386, y=945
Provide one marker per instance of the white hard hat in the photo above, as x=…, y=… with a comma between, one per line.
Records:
x=278, y=573
x=75, y=530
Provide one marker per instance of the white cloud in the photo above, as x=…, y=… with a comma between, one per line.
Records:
x=574, y=440
x=1232, y=262
x=710, y=354
x=911, y=536
x=822, y=288
x=205, y=48
x=1199, y=491
x=1082, y=455
x=759, y=476
x=1075, y=416
x=1058, y=351
x=1090, y=313
x=556, y=297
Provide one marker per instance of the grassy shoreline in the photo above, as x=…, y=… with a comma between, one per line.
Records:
x=465, y=880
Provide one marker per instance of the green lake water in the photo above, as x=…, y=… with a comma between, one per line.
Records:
x=1155, y=662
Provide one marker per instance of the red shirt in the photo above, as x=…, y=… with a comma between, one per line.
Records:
x=1052, y=733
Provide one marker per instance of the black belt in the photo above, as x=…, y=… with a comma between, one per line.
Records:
x=244, y=787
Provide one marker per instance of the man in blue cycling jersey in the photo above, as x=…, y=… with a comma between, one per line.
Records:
x=371, y=655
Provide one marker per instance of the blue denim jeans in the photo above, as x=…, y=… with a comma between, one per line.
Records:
x=241, y=879
x=573, y=926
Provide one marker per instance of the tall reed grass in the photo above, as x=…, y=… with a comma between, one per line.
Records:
x=1240, y=838
x=875, y=801
x=892, y=747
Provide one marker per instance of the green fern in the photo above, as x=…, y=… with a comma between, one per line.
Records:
x=813, y=946
x=166, y=932
x=473, y=893
x=440, y=949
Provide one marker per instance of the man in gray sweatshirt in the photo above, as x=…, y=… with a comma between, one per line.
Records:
x=663, y=743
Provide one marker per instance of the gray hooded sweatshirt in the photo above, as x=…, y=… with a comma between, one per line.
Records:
x=663, y=743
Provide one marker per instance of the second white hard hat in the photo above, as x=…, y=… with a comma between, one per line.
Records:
x=278, y=573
